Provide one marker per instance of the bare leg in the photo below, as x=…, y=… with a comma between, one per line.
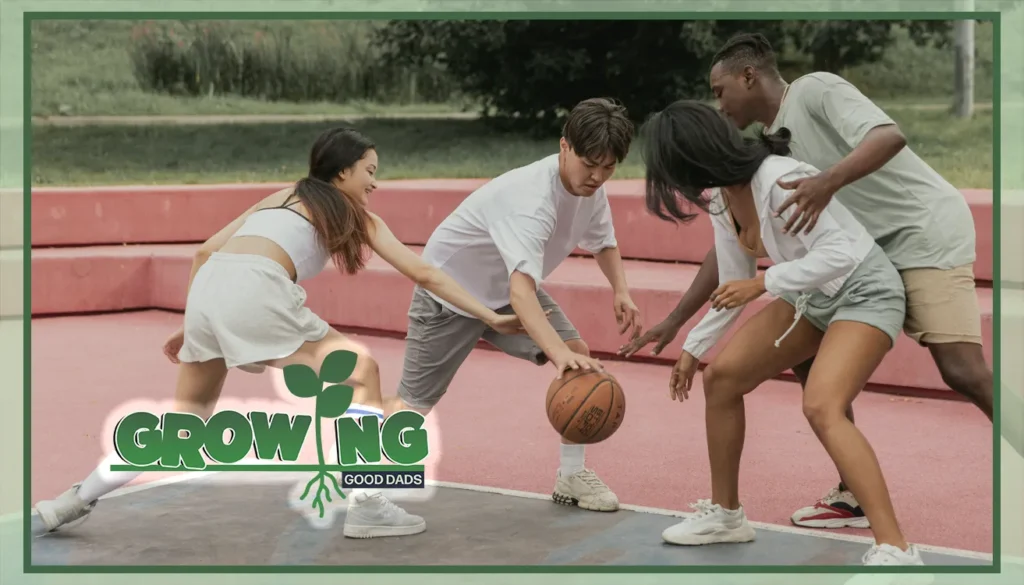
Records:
x=964, y=370
x=365, y=380
x=802, y=371
x=849, y=354
x=198, y=388
x=749, y=359
x=369, y=513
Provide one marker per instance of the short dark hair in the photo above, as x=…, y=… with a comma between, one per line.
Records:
x=597, y=127
x=747, y=49
x=690, y=147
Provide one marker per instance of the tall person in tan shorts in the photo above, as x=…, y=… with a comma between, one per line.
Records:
x=920, y=220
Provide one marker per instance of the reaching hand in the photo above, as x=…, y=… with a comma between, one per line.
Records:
x=173, y=345
x=811, y=195
x=737, y=293
x=627, y=315
x=682, y=377
x=663, y=333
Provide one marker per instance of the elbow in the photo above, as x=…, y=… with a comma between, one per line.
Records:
x=520, y=288
x=202, y=254
x=426, y=277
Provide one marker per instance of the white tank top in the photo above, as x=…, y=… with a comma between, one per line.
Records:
x=295, y=234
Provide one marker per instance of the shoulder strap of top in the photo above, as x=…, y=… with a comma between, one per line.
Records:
x=288, y=206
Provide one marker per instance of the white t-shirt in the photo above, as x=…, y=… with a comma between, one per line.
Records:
x=522, y=220
x=819, y=261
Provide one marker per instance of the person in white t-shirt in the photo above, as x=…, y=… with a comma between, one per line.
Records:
x=500, y=244
x=837, y=297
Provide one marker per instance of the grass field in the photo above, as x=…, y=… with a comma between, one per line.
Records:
x=84, y=68
x=959, y=149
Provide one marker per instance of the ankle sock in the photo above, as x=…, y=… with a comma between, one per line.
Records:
x=572, y=458
x=359, y=411
x=102, y=480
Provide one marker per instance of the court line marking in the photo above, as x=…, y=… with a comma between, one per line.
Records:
x=757, y=525
x=183, y=477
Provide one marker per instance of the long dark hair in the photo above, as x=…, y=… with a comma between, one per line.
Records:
x=342, y=224
x=690, y=147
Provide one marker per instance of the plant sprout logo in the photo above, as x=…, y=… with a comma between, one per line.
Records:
x=177, y=441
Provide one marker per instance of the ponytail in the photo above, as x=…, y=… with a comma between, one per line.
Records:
x=777, y=143
x=342, y=225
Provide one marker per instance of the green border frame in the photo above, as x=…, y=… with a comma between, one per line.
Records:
x=994, y=16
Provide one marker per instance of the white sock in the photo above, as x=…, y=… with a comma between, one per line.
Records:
x=572, y=459
x=357, y=411
x=102, y=480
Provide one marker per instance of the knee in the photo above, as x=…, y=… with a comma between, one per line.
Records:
x=721, y=382
x=578, y=346
x=821, y=414
x=966, y=377
x=366, y=367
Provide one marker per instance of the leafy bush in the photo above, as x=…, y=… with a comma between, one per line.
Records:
x=294, y=61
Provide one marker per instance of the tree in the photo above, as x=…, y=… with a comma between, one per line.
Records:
x=528, y=73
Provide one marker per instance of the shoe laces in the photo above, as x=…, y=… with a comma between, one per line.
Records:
x=385, y=504
x=884, y=554
x=833, y=495
x=71, y=516
x=703, y=508
x=590, y=478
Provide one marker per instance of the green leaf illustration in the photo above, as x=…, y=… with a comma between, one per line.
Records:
x=338, y=366
x=302, y=381
x=333, y=401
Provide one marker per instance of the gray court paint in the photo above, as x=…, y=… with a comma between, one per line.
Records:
x=62, y=550
x=621, y=538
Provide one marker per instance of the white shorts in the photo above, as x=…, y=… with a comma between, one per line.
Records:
x=245, y=309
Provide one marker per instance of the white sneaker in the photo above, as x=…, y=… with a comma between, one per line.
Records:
x=888, y=555
x=64, y=511
x=375, y=515
x=710, y=524
x=586, y=490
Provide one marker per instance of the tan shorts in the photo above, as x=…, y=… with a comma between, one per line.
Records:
x=942, y=305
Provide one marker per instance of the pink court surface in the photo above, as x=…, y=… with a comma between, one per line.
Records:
x=110, y=268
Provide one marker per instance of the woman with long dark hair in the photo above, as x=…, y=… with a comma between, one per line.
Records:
x=245, y=309
x=837, y=298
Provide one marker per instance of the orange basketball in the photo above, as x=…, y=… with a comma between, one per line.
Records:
x=585, y=406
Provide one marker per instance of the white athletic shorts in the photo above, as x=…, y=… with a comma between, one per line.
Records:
x=245, y=309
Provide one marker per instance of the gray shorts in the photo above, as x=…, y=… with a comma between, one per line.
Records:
x=439, y=340
x=873, y=295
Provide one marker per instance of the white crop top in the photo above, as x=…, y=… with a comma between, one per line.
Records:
x=295, y=234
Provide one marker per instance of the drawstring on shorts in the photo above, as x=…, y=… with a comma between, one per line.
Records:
x=801, y=306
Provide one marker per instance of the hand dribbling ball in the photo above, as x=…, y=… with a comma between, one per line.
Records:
x=586, y=407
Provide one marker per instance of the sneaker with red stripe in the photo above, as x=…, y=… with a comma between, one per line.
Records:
x=839, y=509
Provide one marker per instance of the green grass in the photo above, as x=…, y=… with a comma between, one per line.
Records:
x=959, y=149
x=85, y=66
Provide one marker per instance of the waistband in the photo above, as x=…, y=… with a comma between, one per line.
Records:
x=250, y=260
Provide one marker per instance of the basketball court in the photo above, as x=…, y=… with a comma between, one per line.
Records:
x=234, y=519
x=493, y=459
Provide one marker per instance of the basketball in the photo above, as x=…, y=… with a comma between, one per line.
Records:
x=586, y=407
